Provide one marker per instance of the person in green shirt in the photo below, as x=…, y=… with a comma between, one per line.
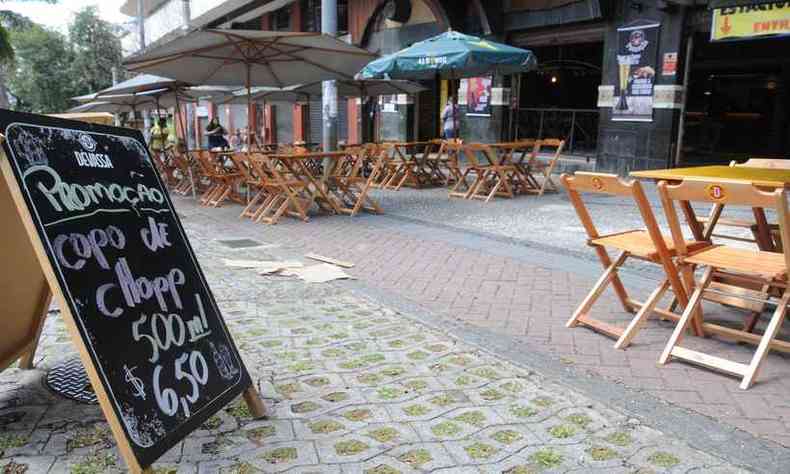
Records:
x=158, y=135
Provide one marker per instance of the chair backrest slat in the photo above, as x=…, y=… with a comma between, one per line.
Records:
x=602, y=183
x=736, y=193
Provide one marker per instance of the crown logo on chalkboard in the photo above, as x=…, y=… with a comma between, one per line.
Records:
x=87, y=142
x=30, y=149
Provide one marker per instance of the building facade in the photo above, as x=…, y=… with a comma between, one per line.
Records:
x=630, y=84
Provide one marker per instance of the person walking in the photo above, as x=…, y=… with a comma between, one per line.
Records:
x=449, y=118
x=216, y=132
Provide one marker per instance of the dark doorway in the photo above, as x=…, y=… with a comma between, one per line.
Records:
x=559, y=99
x=737, y=101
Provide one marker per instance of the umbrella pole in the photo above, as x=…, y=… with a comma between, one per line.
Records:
x=249, y=109
x=178, y=118
x=306, y=137
x=455, y=109
x=362, y=123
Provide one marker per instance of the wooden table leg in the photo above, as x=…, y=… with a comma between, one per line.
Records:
x=763, y=234
x=696, y=227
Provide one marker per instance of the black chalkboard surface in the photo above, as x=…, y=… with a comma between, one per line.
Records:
x=128, y=274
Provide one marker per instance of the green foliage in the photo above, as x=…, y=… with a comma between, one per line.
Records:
x=41, y=77
x=44, y=68
x=97, y=49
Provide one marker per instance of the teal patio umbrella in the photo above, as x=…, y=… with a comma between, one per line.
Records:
x=450, y=55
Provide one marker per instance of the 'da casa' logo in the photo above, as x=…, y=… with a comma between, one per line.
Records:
x=597, y=184
x=716, y=192
x=87, y=142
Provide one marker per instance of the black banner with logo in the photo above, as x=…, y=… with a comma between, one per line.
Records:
x=637, y=55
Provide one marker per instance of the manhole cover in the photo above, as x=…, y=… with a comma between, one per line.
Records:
x=240, y=243
x=70, y=380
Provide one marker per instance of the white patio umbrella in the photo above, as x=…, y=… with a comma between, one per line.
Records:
x=142, y=83
x=83, y=99
x=101, y=107
x=252, y=57
x=115, y=106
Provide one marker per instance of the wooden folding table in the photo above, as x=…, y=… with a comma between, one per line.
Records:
x=763, y=177
x=334, y=191
x=412, y=169
x=767, y=178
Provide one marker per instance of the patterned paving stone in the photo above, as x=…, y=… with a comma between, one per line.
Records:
x=351, y=386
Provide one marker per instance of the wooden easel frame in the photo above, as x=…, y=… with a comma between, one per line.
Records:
x=251, y=396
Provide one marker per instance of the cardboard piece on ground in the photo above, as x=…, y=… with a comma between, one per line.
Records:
x=321, y=273
x=333, y=261
x=260, y=264
x=275, y=267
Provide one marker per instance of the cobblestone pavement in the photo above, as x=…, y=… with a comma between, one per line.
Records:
x=352, y=386
x=527, y=288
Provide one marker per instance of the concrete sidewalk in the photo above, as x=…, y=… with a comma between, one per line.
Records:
x=356, y=386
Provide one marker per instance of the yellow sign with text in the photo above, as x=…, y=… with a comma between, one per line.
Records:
x=751, y=21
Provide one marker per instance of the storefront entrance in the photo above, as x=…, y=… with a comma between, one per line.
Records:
x=737, y=101
x=558, y=100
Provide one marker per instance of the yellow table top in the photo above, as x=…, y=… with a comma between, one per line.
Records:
x=761, y=176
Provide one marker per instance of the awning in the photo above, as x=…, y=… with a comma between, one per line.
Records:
x=260, y=11
x=714, y=4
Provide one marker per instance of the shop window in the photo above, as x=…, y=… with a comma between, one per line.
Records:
x=281, y=19
x=311, y=15
x=342, y=16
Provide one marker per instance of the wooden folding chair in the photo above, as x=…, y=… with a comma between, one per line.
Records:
x=493, y=178
x=249, y=179
x=208, y=170
x=390, y=168
x=185, y=183
x=289, y=194
x=525, y=152
x=347, y=183
x=472, y=170
x=647, y=244
x=264, y=192
x=227, y=177
x=733, y=263
x=447, y=158
x=537, y=166
x=432, y=157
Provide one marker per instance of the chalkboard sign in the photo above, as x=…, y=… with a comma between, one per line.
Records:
x=138, y=298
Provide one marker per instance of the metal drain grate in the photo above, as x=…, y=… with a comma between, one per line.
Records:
x=70, y=380
x=240, y=243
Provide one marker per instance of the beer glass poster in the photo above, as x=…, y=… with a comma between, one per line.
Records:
x=478, y=96
x=637, y=54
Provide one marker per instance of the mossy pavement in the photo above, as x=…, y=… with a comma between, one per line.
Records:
x=351, y=386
